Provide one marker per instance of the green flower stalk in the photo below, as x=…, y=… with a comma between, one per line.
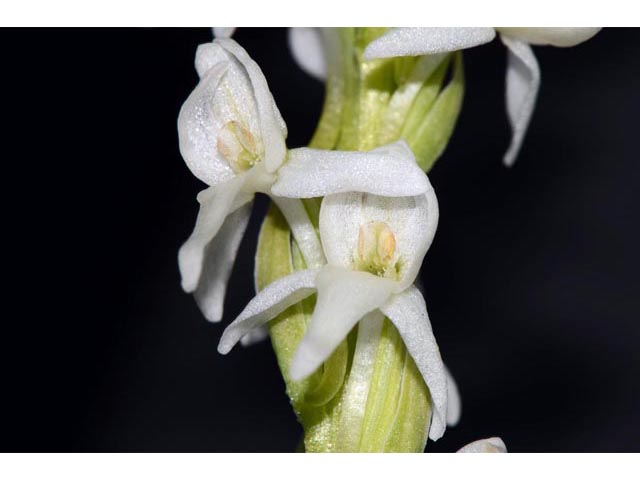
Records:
x=369, y=395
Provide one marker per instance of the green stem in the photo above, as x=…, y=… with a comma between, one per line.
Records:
x=369, y=395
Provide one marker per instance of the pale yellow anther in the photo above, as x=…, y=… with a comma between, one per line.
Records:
x=376, y=248
x=238, y=146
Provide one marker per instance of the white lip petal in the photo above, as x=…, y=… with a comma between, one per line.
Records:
x=556, y=36
x=391, y=172
x=522, y=83
x=306, y=45
x=267, y=304
x=272, y=127
x=215, y=204
x=219, y=258
x=454, y=402
x=302, y=229
x=413, y=220
x=344, y=297
x=486, y=445
x=408, y=312
x=399, y=42
x=223, y=32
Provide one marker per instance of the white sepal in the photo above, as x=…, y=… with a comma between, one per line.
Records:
x=556, y=36
x=215, y=204
x=272, y=127
x=302, y=229
x=408, y=312
x=307, y=48
x=220, y=255
x=267, y=304
x=344, y=297
x=522, y=84
x=387, y=171
x=454, y=401
x=400, y=42
x=486, y=445
x=198, y=127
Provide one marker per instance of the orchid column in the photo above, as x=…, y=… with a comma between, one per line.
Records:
x=370, y=394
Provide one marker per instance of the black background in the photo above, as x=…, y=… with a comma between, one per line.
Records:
x=532, y=282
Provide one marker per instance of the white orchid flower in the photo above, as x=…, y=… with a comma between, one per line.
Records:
x=374, y=247
x=232, y=137
x=486, y=445
x=523, y=72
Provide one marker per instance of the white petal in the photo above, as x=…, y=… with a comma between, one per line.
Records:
x=198, y=129
x=267, y=304
x=413, y=221
x=223, y=32
x=556, y=36
x=487, y=445
x=220, y=256
x=344, y=297
x=209, y=55
x=271, y=123
x=256, y=335
x=523, y=82
x=408, y=313
x=302, y=229
x=306, y=45
x=389, y=171
x=215, y=204
x=402, y=42
x=454, y=402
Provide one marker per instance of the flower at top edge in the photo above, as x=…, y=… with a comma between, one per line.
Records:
x=523, y=72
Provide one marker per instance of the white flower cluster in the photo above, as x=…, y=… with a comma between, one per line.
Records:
x=378, y=216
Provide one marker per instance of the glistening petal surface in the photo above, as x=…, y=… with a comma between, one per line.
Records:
x=522, y=84
x=306, y=45
x=388, y=171
x=199, y=126
x=556, y=36
x=271, y=124
x=413, y=221
x=344, y=297
x=408, y=312
x=215, y=204
x=219, y=258
x=399, y=42
x=267, y=304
